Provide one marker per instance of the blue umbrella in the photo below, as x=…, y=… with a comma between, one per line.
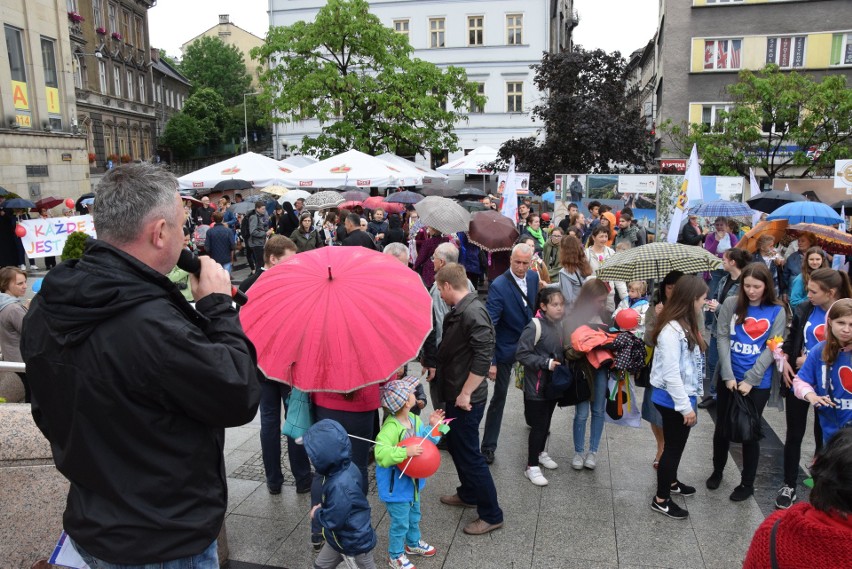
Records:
x=549, y=196
x=806, y=212
x=405, y=197
x=721, y=208
x=18, y=203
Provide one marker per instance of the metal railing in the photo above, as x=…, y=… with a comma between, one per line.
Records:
x=15, y=367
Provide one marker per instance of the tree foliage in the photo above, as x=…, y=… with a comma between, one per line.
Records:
x=182, y=135
x=590, y=116
x=771, y=112
x=210, y=63
x=358, y=79
x=74, y=246
x=205, y=105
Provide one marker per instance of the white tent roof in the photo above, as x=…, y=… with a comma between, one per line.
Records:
x=472, y=163
x=412, y=174
x=256, y=169
x=349, y=169
x=298, y=161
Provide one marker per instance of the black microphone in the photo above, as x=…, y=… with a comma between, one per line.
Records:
x=189, y=262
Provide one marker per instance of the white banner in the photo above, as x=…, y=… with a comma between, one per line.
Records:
x=728, y=185
x=46, y=237
x=843, y=174
x=637, y=184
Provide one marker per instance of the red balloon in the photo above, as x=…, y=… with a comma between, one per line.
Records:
x=627, y=319
x=424, y=465
x=545, y=216
x=20, y=230
x=70, y=203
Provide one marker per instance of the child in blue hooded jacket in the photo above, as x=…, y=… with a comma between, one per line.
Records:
x=401, y=494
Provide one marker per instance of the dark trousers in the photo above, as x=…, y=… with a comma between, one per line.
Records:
x=675, y=435
x=476, y=485
x=796, y=411
x=751, y=451
x=538, y=414
x=272, y=393
x=360, y=424
x=250, y=257
x=494, y=416
x=23, y=377
x=435, y=395
x=258, y=257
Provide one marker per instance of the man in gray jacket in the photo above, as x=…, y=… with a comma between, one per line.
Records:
x=258, y=231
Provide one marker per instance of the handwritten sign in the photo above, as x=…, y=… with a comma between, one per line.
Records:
x=46, y=237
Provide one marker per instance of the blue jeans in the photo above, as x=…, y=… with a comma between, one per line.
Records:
x=227, y=266
x=494, y=416
x=715, y=276
x=207, y=559
x=477, y=486
x=581, y=414
x=710, y=366
x=404, y=526
x=271, y=395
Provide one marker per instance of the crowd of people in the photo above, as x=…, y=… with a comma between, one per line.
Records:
x=535, y=316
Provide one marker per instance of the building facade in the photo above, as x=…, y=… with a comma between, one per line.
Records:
x=41, y=153
x=701, y=45
x=171, y=89
x=232, y=34
x=495, y=41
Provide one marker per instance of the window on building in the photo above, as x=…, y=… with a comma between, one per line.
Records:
x=474, y=108
x=122, y=144
x=15, y=49
x=116, y=80
x=711, y=118
x=135, y=144
x=475, y=30
x=130, y=85
x=113, y=17
x=514, y=97
x=841, y=49
x=102, y=75
x=722, y=54
x=146, y=148
x=140, y=33
x=142, y=93
x=98, y=13
x=48, y=60
x=401, y=27
x=78, y=73
x=787, y=52
x=778, y=120
x=71, y=5
x=55, y=123
x=125, y=26
x=437, y=32
x=108, y=147
x=515, y=29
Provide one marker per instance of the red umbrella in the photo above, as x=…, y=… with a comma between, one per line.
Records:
x=492, y=231
x=350, y=204
x=47, y=203
x=391, y=207
x=337, y=342
x=374, y=202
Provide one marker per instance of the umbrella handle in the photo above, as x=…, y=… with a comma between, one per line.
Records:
x=329, y=273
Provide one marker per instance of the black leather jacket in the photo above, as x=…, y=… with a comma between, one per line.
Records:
x=467, y=346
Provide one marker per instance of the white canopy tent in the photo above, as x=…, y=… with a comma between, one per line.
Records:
x=349, y=169
x=256, y=169
x=297, y=161
x=412, y=174
x=471, y=164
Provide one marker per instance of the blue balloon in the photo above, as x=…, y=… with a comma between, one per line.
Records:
x=37, y=285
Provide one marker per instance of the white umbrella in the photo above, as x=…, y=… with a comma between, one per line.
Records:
x=257, y=169
x=412, y=174
x=298, y=161
x=349, y=169
x=293, y=195
x=473, y=163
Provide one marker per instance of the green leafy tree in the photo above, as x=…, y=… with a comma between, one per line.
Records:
x=169, y=59
x=74, y=246
x=358, y=78
x=771, y=112
x=210, y=63
x=207, y=108
x=182, y=135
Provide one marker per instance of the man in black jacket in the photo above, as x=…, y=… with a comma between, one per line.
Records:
x=355, y=236
x=464, y=357
x=133, y=387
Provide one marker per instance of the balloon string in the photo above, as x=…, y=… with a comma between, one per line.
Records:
x=367, y=440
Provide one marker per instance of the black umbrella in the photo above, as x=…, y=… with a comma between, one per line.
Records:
x=232, y=184
x=18, y=203
x=767, y=202
x=473, y=206
x=470, y=192
x=79, y=205
x=843, y=204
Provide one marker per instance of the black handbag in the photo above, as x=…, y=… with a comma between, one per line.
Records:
x=561, y=380
x=742, y=423
x=580, y=388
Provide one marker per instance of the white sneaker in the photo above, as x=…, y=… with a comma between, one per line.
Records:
x=591, y=461
x=535, y=476
x=577, y=461
x=547, y=462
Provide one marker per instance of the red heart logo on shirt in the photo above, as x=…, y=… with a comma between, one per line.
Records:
x=755, y=328
x=819, y=333
x=845, y=374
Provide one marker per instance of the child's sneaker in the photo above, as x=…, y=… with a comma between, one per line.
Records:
x=547, y=462
x=317, y=541
x=422, y=548
x=400, y=562
x=535, y=476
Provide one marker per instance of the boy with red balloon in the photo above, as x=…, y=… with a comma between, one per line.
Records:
x=405, y=455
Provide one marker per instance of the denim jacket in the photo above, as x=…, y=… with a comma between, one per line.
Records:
x=676, y=368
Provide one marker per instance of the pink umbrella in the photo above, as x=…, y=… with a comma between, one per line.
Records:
x=374, y=202
x=333, y=340
x=391, y=207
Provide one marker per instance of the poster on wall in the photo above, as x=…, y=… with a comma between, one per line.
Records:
x=46, y=237
x=523, y=182
x=602, y=187
x=638, y=191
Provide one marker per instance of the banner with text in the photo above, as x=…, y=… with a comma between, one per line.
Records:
x=46, y=237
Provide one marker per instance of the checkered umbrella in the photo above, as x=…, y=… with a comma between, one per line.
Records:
x=655, y=260
x=323, y=200
x=443, y=214
x=721, y=208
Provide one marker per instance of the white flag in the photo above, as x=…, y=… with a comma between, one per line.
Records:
x=510, y=194
x=690, y=192
x=840, y=260
x=786, y=187
x=755, y=189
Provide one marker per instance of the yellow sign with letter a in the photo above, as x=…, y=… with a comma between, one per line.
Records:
x=19, y=96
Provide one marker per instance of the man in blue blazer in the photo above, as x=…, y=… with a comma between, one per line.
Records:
x=511, y=305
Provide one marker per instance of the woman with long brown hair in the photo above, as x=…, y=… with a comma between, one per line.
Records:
x=814, y=259
x=575, y=269
x=677, y=377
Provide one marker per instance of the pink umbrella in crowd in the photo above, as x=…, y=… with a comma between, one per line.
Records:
x=338, y=342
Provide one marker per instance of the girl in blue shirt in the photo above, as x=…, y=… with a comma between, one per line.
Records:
x=744, y=325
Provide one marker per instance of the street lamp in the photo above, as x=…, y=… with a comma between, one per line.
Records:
x=245, y=114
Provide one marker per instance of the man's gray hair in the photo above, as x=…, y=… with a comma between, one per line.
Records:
x=448, y=252
x=130, y=195
x=523, y=249
x=397, y=250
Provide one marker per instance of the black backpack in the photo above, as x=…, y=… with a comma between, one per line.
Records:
x=244, y=226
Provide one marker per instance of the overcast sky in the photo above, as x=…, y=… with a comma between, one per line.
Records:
x=623, y=25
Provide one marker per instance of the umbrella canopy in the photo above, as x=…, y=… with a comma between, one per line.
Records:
x=192, y=200
x=721, y=208
x=297, y=161
x=48, y=203
x=242, y=207
x=276, y=190
x=405, y=197
x=410, y=171
x=778, y=229
x=847, y=204
x=355, y=195
x=373, y=202
x=319, y=351
x=549, y=196
x=258, y=170
x=473, y=206
x=806, y=212
x=323, y=200
x=255, y=198
x=767, y=202
x=474, y=163
x=444, y=192
x=4, y=191
x=294, y=195
x=443, y=214
x=832, y=240
x=79, y=206
x=232, y=184
x=469, y=192
x=492, y=231
x=351, y=168
x=391, y=207
x=655, y=260
x=19, y=203
x=351, y=204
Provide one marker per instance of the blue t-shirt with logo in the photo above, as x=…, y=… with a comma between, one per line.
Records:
x=831, y=419
x=748, y=340
x=814, y=329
